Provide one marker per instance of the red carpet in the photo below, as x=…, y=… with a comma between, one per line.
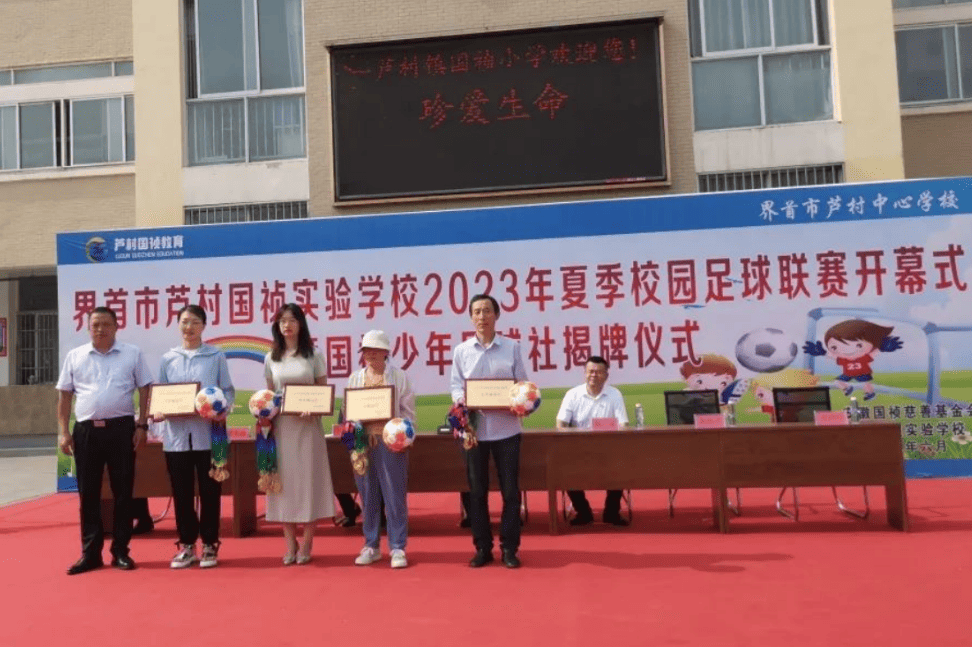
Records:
x=827, y=580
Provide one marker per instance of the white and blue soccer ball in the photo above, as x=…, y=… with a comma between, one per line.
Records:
x=398, y=434
x=524, y=398
x=265, y=404
x=766, y=350
x=211, y=402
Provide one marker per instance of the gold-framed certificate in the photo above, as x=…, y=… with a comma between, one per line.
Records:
x=173, y=400
x=370, y=403
x=315, y=399
x=488, y=393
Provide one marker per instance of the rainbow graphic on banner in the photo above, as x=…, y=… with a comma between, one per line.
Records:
x=242, y=347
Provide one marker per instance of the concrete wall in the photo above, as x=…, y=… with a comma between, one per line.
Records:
x=32, y=212
x=866, y=89
x=39, y=32
x=331, y=22
x=277, y=181
x=159, y=111
x=28, y=410
x=937, y=144
x=804, y=144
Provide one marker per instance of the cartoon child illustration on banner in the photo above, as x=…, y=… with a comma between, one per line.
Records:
x=712, y=371
x=853, y=344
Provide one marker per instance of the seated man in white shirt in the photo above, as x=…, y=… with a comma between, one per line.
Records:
x=582, y=404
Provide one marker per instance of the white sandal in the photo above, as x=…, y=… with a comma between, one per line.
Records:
x=291, y=555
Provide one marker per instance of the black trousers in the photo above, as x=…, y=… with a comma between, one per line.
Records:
x=94, y=448
x=140, y=511
x=346, y=501
x=185, y=469
x=506, y=456
x=612, y=503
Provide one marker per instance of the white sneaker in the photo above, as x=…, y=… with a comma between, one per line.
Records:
x=398, y=558
x=208, y=558
x=185, y=557
x=368, y=555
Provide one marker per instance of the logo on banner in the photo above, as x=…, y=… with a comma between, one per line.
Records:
x=96, y=249
x=131, y=248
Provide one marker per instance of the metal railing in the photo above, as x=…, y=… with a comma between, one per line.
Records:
x=36, y=348
x=771, y=178
x=216, y=131
x=246, y=129
x=218, y=214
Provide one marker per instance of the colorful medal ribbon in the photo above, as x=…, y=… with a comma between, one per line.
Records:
x=266, y=447
x=220, y=451
x=355, y=438
x=462, y=426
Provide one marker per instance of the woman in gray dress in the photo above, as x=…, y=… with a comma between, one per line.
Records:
x=305, y=475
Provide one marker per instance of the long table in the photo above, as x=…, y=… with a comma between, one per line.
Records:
x=770, y=455
x=782, y=455
x=152, y=480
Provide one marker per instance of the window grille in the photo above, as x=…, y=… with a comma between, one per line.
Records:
x=37, y=348
x=771, y=178
x=225, y=213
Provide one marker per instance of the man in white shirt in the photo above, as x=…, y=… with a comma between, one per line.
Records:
x=593, y=400
x=101, y=378
x=489, y=355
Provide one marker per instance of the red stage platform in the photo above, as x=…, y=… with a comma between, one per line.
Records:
x=826, y=580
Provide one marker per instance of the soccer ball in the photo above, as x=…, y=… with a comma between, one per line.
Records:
x=265, y=404
x=766, y=350
x=524, y=398
x=211, y=402
x=398, y=434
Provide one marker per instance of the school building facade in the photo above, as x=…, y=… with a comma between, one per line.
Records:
x=139, y=113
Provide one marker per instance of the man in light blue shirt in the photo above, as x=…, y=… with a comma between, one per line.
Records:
x=491, y=356
x=582, y=405
x=102, y=377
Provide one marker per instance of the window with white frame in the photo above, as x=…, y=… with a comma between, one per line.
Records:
x=67, y=133
x=934, y=63
x=759, y=62
x=905, y=4
x=245, y=76
x=72, y=72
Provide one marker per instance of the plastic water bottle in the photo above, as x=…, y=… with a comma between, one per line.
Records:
x=855, y=413
x=639, y=416
x=731, y=413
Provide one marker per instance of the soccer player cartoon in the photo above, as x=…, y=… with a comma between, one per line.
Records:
x=853, y=344
x=714, y=372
